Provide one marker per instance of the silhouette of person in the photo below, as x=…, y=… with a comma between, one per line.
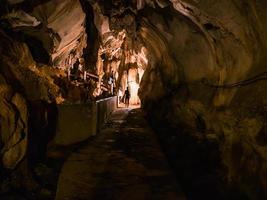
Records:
x=127, y=97
x=74, y=70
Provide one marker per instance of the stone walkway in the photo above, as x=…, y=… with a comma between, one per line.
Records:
x=124, y=162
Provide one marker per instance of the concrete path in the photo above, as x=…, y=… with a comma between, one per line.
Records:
x=124, y=162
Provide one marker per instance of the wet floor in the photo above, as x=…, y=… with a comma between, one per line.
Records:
x=124, y=162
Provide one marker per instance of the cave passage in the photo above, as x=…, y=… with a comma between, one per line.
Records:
x=193, y=73
x=124, y=161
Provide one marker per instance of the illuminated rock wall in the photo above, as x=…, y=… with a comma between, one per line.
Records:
x=58, y=25
x=202, y=77
x=21, y=82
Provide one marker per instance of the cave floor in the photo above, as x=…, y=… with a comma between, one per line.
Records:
x=123, y=162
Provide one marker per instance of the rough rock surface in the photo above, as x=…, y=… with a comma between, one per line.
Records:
x=207, y=57
x=21, y=82
x=58, y=25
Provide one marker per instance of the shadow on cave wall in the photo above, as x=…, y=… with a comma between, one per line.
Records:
x=195, y=159
x=42, y=129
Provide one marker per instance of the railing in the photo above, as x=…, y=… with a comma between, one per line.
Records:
x=78, y=122
x=104, y=108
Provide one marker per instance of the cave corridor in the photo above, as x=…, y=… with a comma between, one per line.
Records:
x=133, y=99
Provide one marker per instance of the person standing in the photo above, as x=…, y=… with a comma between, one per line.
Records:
x=74, y=71
x=111, y=83
x=81, y=69
x=127, y=97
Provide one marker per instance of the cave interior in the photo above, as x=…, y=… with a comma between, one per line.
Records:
x=159, y=99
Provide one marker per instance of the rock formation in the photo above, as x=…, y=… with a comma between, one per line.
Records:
x=200, y=66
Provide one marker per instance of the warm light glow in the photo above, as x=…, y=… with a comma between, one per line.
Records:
x=133, y=86
x=142, y=60
x=109, y=55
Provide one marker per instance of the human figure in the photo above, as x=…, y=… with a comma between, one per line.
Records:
x=74, y=70
x=81, y=69
x=111, y=83
x=127, y=97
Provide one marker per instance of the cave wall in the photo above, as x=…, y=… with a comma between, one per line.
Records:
x=38, y=39
x=21, y=82
x=58, y=25
x=206, y=76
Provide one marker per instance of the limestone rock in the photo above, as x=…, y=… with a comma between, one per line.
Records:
x=59, y=25
x=20, y=81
